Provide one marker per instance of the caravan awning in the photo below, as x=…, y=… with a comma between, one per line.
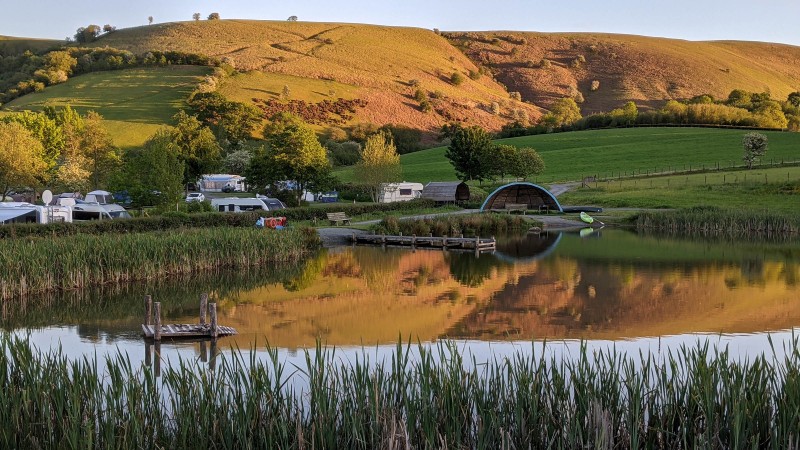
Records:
x=11, y=214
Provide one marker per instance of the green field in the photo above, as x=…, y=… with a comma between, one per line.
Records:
x=134, y=102
x=775, y=190
x=572, y=156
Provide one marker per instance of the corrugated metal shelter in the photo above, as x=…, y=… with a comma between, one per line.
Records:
x=446, y=191
x=521, y=193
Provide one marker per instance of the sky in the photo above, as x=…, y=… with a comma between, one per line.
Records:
x=748, y=20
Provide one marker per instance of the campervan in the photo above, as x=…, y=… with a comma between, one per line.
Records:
x=21, y=212
x=233, y=204
x=101, y=197
x=399, y=192
x=90, y=211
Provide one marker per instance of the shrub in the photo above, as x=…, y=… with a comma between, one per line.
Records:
x=420, y=95
x=515, y=95
x=545, y=63
x=457, y=79
x=595, y=85
x=474, y=74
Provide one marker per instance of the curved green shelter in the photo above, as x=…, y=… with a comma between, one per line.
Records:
x=531, y=196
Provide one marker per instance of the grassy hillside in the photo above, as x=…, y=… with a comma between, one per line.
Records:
x=645, y=70
x=574, y=155
x=10, y=45
x=134, y=102
x=373, y=63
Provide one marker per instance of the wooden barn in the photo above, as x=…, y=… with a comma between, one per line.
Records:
x=446, y=191
x=521, y=196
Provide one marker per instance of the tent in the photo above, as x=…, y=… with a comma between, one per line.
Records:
x=532, y=195
x=446, y=191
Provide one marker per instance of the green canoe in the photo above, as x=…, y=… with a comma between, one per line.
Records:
x=586, y=218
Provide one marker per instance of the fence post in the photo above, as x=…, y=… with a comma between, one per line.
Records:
x=148, y=309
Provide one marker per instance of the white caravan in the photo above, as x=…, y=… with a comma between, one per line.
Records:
x=233, y=204
x=21, y=212
x=399, y=192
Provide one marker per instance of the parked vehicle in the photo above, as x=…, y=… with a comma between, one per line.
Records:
x=195, y=197
x=233, y=204
x=399, y=192
x=222, y=182
x=22, y=212
x=271, y=203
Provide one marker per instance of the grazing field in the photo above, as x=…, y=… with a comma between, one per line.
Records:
x=134, y=102
x=609, y=153
x=774, y=189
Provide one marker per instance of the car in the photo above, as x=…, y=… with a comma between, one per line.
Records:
x=195, y=197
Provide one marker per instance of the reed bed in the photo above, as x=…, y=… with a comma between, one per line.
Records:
x=716, y=222
x=455, y=225
x=38, y=265
x=695, y=397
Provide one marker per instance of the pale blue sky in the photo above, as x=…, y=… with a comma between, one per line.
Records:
x=753, y=20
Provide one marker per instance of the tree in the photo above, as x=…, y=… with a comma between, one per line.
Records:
x=98, y=148
x=755, y=146
x=794, y=99
x=527, y=162
x=379, y=163
x=213, y=16
x=149, y=20
x=154, y=167
x=238, y=161
x=46, y=131
x=72, y=175
x=21, y=163
x=564, y=111
x=625, y=115
x=292, y=19
x=88, y=34
x=107, y=28
x=294, y=153
x=503, y=158
x=467, y=152
x=233, y=121
x=197, y=147
x=196, y=16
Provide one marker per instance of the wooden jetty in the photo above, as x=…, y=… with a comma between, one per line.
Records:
x=152, y=328
x=476, y=244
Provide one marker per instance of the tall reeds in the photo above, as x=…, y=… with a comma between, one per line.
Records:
x=418, y=397
x=716, y=222
x=43, y=264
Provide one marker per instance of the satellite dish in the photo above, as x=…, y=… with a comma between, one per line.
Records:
x=47, y=197
x=67, y=202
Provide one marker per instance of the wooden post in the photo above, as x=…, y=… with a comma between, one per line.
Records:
x=157, y=325
x=148, y=356
x=212, y=362
x=213, y=311
x=157, y=347
x=203, y=351
x=148, y=309
x=413, y=240
x=477, y=242
x=444, y=242
x=203, y=307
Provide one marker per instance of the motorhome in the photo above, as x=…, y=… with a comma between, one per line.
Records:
x=21, y=212
x=399, y=192
x=90, y=211
x=234, y=204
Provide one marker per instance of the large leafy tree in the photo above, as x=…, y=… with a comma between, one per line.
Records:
x=527, y=162
x=755, y=146
x=294, y=153
x=564, y=111
x=379, y=162
x=468, y=152
x=156, y=167
x=98, y=149
x=198, y=146
x=233, y=121
x=47, y=131
x=21, y=162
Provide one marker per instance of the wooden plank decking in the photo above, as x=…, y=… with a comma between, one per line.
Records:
x=443, y=242
x=186, y=331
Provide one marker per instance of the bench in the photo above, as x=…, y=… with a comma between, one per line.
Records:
x=523, y=207
x=338, y=217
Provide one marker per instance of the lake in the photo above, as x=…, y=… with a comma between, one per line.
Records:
x=603, y=287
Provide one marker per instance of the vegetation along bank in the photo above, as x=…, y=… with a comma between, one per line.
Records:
x=44, y=264
x=415, y=398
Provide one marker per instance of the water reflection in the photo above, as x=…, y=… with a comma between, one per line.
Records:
x=600, y=285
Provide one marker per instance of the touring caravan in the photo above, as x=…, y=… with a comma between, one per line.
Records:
x=399, y=192
x=21, y=212
x=233, y=204
x=222, y=183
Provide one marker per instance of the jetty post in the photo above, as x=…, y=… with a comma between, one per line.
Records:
x=213, y=311
x=148, y=309
x=157, y=325
x=203, y=307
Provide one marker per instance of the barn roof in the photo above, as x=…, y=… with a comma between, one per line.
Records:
x=529, y=194
x=446, y=191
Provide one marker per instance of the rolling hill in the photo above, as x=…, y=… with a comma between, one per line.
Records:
x=10, y=45
x=645, y=70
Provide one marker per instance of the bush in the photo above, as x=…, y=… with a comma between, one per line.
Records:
x=474, y=74
x=345, y=153
x=457, y=79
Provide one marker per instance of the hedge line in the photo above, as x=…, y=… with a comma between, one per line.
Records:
x=175, y=220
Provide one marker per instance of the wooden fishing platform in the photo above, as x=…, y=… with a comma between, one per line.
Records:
x=155, y=330
x=475, y=244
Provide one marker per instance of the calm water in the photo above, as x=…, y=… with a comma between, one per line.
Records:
x=607, y=287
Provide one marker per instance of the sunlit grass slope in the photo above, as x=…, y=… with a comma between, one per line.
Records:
x=572, y=156
x=374, y=63
x=134, y=102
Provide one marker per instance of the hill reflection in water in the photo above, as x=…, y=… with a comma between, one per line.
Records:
x=608, y=285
